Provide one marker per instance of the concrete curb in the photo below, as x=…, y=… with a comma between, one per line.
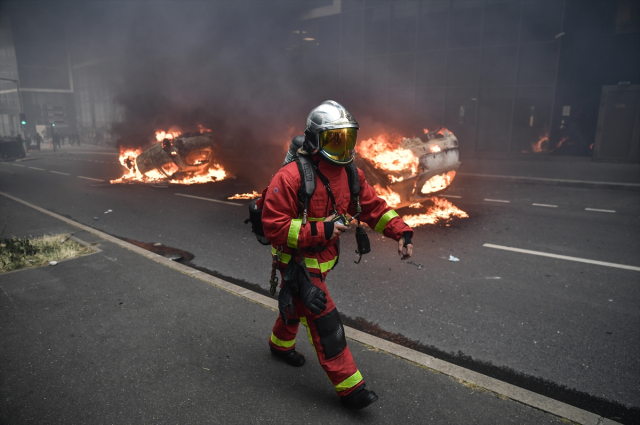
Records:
x=512, y=392
x=554, y=182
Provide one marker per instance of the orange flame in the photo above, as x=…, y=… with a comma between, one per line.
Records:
x=438, y=183
x=391, y=198
x=252, y=195
x=537, y=147
x=388, y=154
x=442, y=210
x=161, y=135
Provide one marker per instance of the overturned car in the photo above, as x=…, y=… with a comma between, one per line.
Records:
x=412, y=172
x=183, y=159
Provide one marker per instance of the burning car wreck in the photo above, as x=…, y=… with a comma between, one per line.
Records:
x=181, y=159
x=412, y=171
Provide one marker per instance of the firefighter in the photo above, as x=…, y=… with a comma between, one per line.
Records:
x=313, y=241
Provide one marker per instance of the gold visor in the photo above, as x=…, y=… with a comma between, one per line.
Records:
x=338, y=145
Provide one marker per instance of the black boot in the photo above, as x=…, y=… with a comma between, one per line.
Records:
x=359, y=398
x=292, y=358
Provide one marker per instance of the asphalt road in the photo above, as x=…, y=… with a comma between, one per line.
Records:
x=575, y=324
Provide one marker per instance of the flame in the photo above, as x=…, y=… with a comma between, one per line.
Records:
x=252, y=195
x=536, y=147
x=161, y=135
x=388, y=154
x=442, y=210
x=416, y=205
x=426, y=130
x=392, y=198
x=438, y=183
x=435, y=148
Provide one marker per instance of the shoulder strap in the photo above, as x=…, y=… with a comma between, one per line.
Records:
x=354, y=179
x=354, y=184
x=307, y=183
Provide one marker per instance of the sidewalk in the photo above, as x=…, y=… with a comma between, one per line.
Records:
x=561, y=172
x=121, y=337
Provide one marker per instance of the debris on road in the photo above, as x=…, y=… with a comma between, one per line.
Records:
x=108, y=211
x=420, y=266
x=53, y=263
x=452, y=258
x=95, y=218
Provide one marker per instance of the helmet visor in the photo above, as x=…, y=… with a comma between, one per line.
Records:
x=339, y=144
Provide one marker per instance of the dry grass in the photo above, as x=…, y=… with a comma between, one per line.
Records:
x=21, y=253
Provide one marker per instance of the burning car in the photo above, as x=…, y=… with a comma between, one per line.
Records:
x=183, y=159
x=412, y=171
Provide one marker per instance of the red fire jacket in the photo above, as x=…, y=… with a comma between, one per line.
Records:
x=283, y=228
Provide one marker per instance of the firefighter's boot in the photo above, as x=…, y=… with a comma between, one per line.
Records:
x=292, y=358
x=359, y=398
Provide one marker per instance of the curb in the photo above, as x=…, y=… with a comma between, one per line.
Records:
x=554, y=182
x=512, y=392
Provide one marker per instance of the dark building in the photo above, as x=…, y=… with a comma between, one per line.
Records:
x=510, y=78
x=62, y=79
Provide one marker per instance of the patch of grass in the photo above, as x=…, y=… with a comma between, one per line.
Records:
x=20, y=253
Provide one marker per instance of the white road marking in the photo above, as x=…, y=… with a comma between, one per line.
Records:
x=563, y=257
x=35, y=168
x=210, y=200
x=58, y=172
x=18, y=165
x=451, y=196
x=497, y=200
x=545, y=205
x=598, y=210
x=89, y=178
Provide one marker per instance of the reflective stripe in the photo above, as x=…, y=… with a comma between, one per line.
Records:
x=281, y=343
x=350, y=382
x=303, y=320
x=315, y=219
x=294, y=232
x=311, y=263
x=384, y=220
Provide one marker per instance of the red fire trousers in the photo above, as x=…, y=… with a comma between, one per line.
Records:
x=326, y=334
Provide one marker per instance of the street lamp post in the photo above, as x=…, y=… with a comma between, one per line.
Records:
x=19, y=98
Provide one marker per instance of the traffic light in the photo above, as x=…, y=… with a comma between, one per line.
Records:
x=23, y=118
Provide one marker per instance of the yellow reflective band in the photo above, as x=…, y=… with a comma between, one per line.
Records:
x=303, y=320
x=281, y=343
x=294, y=231
x=315, y=219
x=311, y=263
x=384, y=220
x=350, y=382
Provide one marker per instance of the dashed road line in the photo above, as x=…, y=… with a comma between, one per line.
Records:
x=58, y=172
x=36, y=168
x=17, y=165
x=497, y=200
x=89, y=178
x=210, y=200
x=563, y=257
x=545, y=205
x=599, y=210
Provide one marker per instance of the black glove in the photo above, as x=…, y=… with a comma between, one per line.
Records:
x=312, y=297
x=285, y=302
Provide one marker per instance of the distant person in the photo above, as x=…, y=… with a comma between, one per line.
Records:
x=38, y=140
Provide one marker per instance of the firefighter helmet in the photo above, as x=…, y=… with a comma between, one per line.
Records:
x=331, y=131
